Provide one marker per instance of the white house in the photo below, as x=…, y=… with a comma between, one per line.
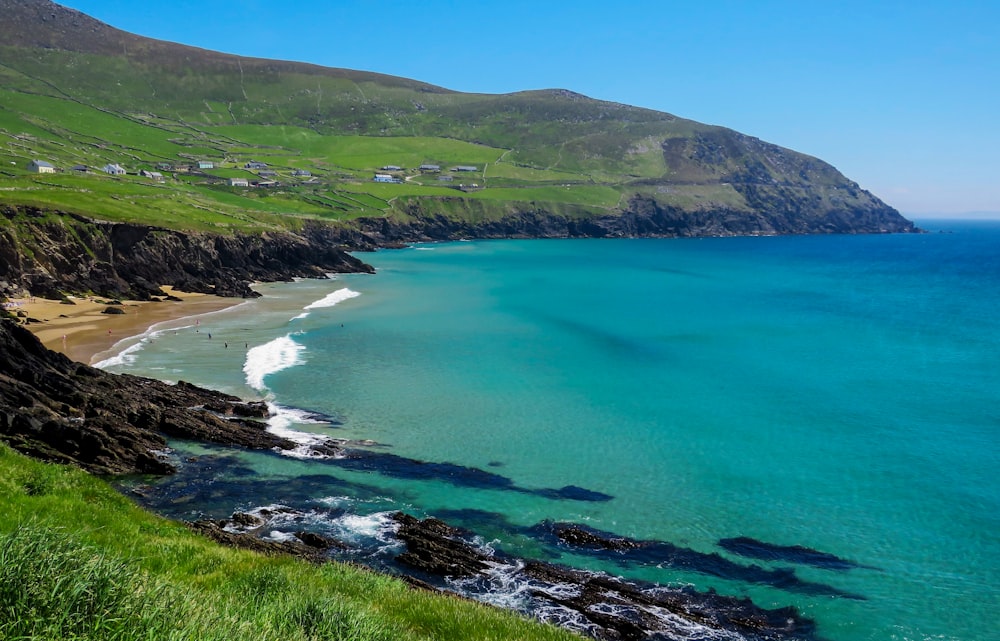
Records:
x=239, y=182
x=114, y=169
x=384, y=178
x=41, y=167
x=155, y=175
x=206, y=164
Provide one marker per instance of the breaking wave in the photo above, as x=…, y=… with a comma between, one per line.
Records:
x=264, y=360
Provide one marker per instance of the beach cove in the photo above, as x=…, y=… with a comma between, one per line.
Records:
x=82, y=330
x=818, y=393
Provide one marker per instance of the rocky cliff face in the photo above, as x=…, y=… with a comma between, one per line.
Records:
x=50, y=253
x=793, y=212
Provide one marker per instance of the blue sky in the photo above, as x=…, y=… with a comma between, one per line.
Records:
x=902, y=97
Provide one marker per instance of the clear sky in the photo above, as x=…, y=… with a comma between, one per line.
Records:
x=902, y=97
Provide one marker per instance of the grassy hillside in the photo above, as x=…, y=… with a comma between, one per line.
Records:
x=76, y=91
x=78, y=560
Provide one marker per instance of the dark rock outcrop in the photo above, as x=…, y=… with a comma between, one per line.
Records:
x=216, y=531
x=434, y=547
x=607, y=607
x=57, y=410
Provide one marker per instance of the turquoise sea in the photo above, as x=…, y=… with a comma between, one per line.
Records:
x=836, y=393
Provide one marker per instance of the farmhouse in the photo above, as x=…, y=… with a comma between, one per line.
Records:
x=239, y=182
x=114, y=169
x=301, y=172
x=80, y=168
x=253, y=164
x=155, y=175
x=206, y=164
x=392, y=168
x=41, y=167
x=385, y=178
x=267, y=174
x=430, y=167
x=465, y=168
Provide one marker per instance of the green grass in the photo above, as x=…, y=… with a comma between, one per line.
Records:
x=79, y=561
x=550, y=149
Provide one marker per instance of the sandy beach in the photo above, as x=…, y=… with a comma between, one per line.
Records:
x=82, y=331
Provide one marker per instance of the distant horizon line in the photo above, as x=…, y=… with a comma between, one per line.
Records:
x=963, y=215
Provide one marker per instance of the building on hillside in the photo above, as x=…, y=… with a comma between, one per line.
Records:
x=465, y=168
x=206, y=164
x=80, y=168
x=392, y=168
x=430, y=167
x=267, y=184
x=114, y=169
x=385, y=178
x=239, y=182
x=447, y=178
x=41, y=167
x=154, y=175
x=253, y=164
x=301, y=172
x=164, y=166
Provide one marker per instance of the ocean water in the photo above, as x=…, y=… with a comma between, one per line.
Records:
x=838, y=393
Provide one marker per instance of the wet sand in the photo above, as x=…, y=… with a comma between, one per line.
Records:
x=82, y=332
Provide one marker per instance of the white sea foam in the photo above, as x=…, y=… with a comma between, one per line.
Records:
x=125, y=357
x=280, y=537
x=300, y=316
x=379, y=526
x=332, y=299
x=280, y=424
x=263, y=360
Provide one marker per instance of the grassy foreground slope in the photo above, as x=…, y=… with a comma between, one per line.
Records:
x=80, y=561
x=75, y=91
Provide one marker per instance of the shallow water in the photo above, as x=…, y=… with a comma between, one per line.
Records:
x=836, y=393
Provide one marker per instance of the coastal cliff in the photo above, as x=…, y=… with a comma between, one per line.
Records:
x=52, y=253
x=792, y=213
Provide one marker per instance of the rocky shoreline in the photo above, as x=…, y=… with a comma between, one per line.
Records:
x=436, y=556
x=57, y=410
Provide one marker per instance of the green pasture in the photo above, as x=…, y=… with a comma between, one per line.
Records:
x=79, y=561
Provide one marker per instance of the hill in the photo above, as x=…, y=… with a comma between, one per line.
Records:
x=79, y=93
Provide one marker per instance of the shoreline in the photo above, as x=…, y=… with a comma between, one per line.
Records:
x=84, y=333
